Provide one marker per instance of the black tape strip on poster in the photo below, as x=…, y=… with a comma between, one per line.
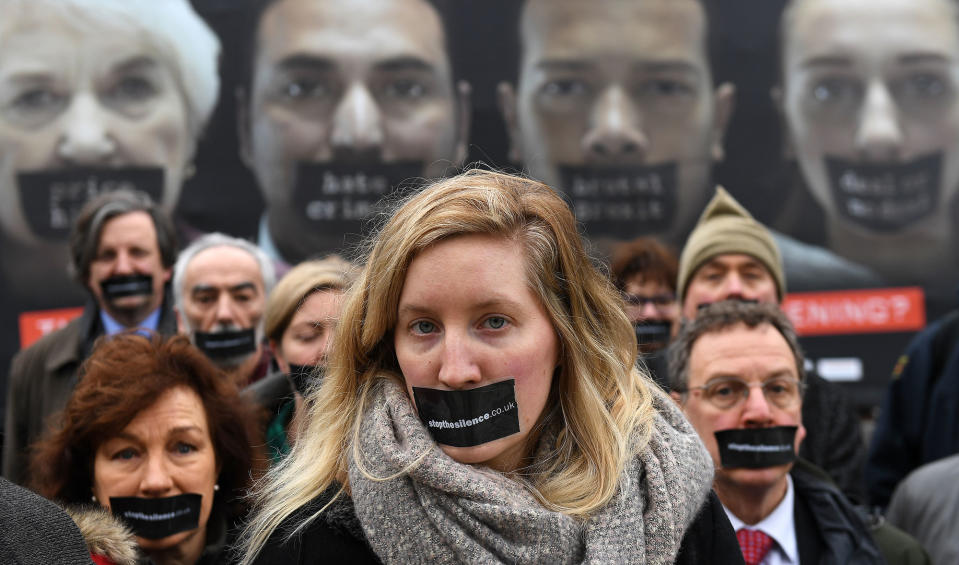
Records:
x=886, y=197
x=466, y=418
x=304, y=377
x=340, y=197
x=52, y=199
x=156, y=518
x=621, y=202
x=122, y=286
x=229, y=343
x=757, y=448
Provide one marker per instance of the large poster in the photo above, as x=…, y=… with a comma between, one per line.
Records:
x=290, y=121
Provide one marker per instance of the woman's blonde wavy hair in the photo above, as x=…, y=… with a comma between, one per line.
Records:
x=317, y=275
x=604, y=401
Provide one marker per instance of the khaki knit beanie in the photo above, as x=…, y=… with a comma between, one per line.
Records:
x=726, y=227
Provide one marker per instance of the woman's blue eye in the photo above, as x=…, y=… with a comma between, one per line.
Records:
x=424, y=327
x=184, y=448
x=495, y=322
x=125, y=454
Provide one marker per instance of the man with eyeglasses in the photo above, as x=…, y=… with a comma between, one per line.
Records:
x=737, y=373
x=731, y=256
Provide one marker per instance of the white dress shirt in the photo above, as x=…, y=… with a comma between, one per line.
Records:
x=779, y=525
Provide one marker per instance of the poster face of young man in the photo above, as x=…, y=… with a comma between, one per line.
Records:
x=348, y=100
x=874, y=126
x=615, y=105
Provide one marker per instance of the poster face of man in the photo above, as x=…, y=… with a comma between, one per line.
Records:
x=77, y=98
x=615, y=105
x=870, y=100
x=364, y=89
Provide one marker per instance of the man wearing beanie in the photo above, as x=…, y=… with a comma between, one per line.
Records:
x=729, y=255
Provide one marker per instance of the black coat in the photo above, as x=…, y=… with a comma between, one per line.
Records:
x=336, y=536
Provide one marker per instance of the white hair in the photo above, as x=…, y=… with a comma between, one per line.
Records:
x=267, y=270
x=172, y=26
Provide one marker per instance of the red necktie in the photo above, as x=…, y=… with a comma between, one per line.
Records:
x=755, y=545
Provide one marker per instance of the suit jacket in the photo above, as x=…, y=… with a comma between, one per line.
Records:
x=42, y=377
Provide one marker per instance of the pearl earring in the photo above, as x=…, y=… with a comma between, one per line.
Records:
x=216, y=487
x=94, y=499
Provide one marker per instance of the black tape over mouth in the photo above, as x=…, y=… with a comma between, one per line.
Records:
x=621, y=201
x=229, y=343
x=467, y=418
x=304, y=377
x=122, y=286
x=157, y=518
x=652, y=332
x=339, y=197
x=885, y=197
x=52, y=199
x=757, y=448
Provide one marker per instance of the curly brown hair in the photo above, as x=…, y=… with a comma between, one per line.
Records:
x=125, y=375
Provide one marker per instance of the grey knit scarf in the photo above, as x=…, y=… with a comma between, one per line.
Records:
x=441, y=511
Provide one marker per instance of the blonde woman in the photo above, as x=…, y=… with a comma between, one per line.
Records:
x=481, y=404
x=298, y=320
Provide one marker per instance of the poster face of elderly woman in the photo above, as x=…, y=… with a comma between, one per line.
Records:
x=95, y=95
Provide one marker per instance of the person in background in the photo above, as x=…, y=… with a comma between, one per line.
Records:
x=122, y=247
x=35, y=530
x=299, y=320
x=482, y=404
x=926, y=505
x=731, y=256
x=917, y=418
x=645, y=271
x=737, y=372
x=220, y=284
x=154, y=429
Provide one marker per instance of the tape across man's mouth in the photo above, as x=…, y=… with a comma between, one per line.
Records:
x=886, y=197
x=622, y=201
x=122, y=286
x=756, y=448
x=52, y=199
x=229, y=343
x=467, y=418
x=652, y=333
x=157, y=518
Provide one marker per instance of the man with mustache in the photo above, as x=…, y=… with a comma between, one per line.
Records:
x=122, y=250
x=220, y=284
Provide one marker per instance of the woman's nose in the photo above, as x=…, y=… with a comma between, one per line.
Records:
x=458, y=363
x=156, y=480
x=85, y=139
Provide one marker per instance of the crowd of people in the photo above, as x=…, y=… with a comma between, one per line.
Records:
x=475, y=390
x=473, y=366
